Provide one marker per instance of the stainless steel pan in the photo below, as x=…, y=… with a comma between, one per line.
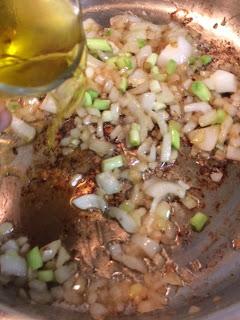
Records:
x=218, y=22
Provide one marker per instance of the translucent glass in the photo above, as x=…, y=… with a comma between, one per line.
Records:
x=41, y=44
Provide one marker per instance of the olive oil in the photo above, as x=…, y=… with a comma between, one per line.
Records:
x=41, y=43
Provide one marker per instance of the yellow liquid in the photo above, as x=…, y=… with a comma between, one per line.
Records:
x=40, y=41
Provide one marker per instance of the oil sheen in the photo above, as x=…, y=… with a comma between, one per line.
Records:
x=40, y=41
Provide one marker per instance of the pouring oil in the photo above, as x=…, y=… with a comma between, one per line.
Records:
x=40, y=41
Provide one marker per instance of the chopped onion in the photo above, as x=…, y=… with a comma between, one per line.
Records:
x=40, y=297
x=101, y=147
x=198, y=107
x=149, y=246
x=49, y=251
x=233, y=153
x=10, y=245
x=205, y=138
x=166, y=147
x=148, y=100
x=222, y=82
x=166, y=96
x=63, y=273
x=129, y=261
x=13, y=265
x=93, y=62
x=90, y=201
x=208, y=118
x=142, y=55
x=137, y=78
x=49, y=104
x=180, y=53
x=225, y=129
x=22, y=129
x=108, y=183
x=160, y=189
x=5, y=229
x=62, y=257
x=37, y=285
x=125, y=220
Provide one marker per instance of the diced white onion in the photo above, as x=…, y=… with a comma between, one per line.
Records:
x=6, y=228
x=142, y=55
x=205, y=138
x=90, y=201
x=50, y=250
x=180, y=53
x=129, y=261
x=101, y=147
x=137, y=77
x=222, y=82
x=125, y=220
x=207, y=118
x=166, y=147
x=63, y=273
x=10, y=245
x=13, y=265
x=198, y=107
x=149, y=246
x=166, y=96
x=49, y=104
x=108, y=183
x=22, y=129
x=233, y=153
x=62, y=257
x=147, y=100
x=37, y=285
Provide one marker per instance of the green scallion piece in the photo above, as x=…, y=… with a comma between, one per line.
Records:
x=101, y=104
x=112, y=163
x=99, y=44
x=221, y=116
x=123, y=85
x=141, y=43
x=175, y=125
x=198, y=221
x=13, y=106
x=134, y=135
x=93, y=93
x=112, y=62
x=108, y=32
x=45, y=275
x=127, y=206
x=171, y=67
x=200, y=90
x=124, y=62
x=87, y=99
x=152, y=59
x=34, y=259
x=175, y=135
x=205, y=59
x=192, y=60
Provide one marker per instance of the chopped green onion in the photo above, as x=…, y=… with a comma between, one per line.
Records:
x=123, y=85
x=152, y=59
x=155, y=70
x=141, y=43
x=87, y=99
x=13, y=106
x=112, y=163
x=205, y=59
x=124, y=62
x=171, y=67
x=220, y=117
x=93, y=93
x=101, y=104
x=112, y=62
x=134, y=135
x=192, y=60
x=45, y=275
x=127, y=206
x=99, y=44
x=175, y=125
x=200, y=90
x=198, y=221
x=175, y=138
x=34, y=259
x=108, y=32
